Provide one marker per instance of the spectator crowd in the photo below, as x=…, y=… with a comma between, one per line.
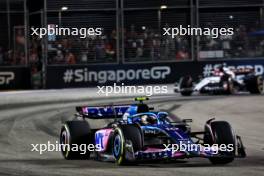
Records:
x=240, y=45
x=140, y=44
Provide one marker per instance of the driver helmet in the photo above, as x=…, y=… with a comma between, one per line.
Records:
x=220, y=67
x=148, y=119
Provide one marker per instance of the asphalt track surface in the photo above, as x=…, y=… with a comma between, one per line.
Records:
x=35, y=117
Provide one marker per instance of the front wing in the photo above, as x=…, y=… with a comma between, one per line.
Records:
x=169, y=153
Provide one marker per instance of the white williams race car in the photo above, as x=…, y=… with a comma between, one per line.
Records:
x=222, y=81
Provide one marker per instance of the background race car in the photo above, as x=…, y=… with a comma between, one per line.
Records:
x=222, y=81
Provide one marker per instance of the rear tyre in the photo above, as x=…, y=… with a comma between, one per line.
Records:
x=255, y=85
x=228, y=87
x=186, y=85
x=122, y=135
x=73, y=134
x=221, y=133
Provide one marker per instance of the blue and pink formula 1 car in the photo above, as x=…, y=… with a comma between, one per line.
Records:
x=139, y=134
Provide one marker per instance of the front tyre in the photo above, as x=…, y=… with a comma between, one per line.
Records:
x=126, y=135
x=186, y=85
x=228, y=87
x=221, y=133
x=73, y=134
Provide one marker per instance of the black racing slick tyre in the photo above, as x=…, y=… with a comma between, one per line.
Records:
x=221, y=133
x=255, y=85
x=227, y=84
x=186, y=86
x=73, y=134
x=228, y=87
x=124, y=134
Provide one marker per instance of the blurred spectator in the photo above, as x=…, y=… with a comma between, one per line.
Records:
x=240, y=41
x=19, y=50
x=1, y=56
x=10, y=57
x=70, y=58
x=33, y=57
x=59, y=58
x=110, y=52
x=226, y=44
x=182, y=54
x=100, y=50
x=36, y=78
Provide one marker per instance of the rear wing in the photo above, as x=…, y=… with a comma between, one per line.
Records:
x=243, y=71
x=102, y=112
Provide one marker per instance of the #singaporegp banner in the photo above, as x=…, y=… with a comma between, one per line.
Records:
x=135, y=74
x=129, y=74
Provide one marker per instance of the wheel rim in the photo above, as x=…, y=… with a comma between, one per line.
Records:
x=64, y=140
x=117, y=145
x=64, y=137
